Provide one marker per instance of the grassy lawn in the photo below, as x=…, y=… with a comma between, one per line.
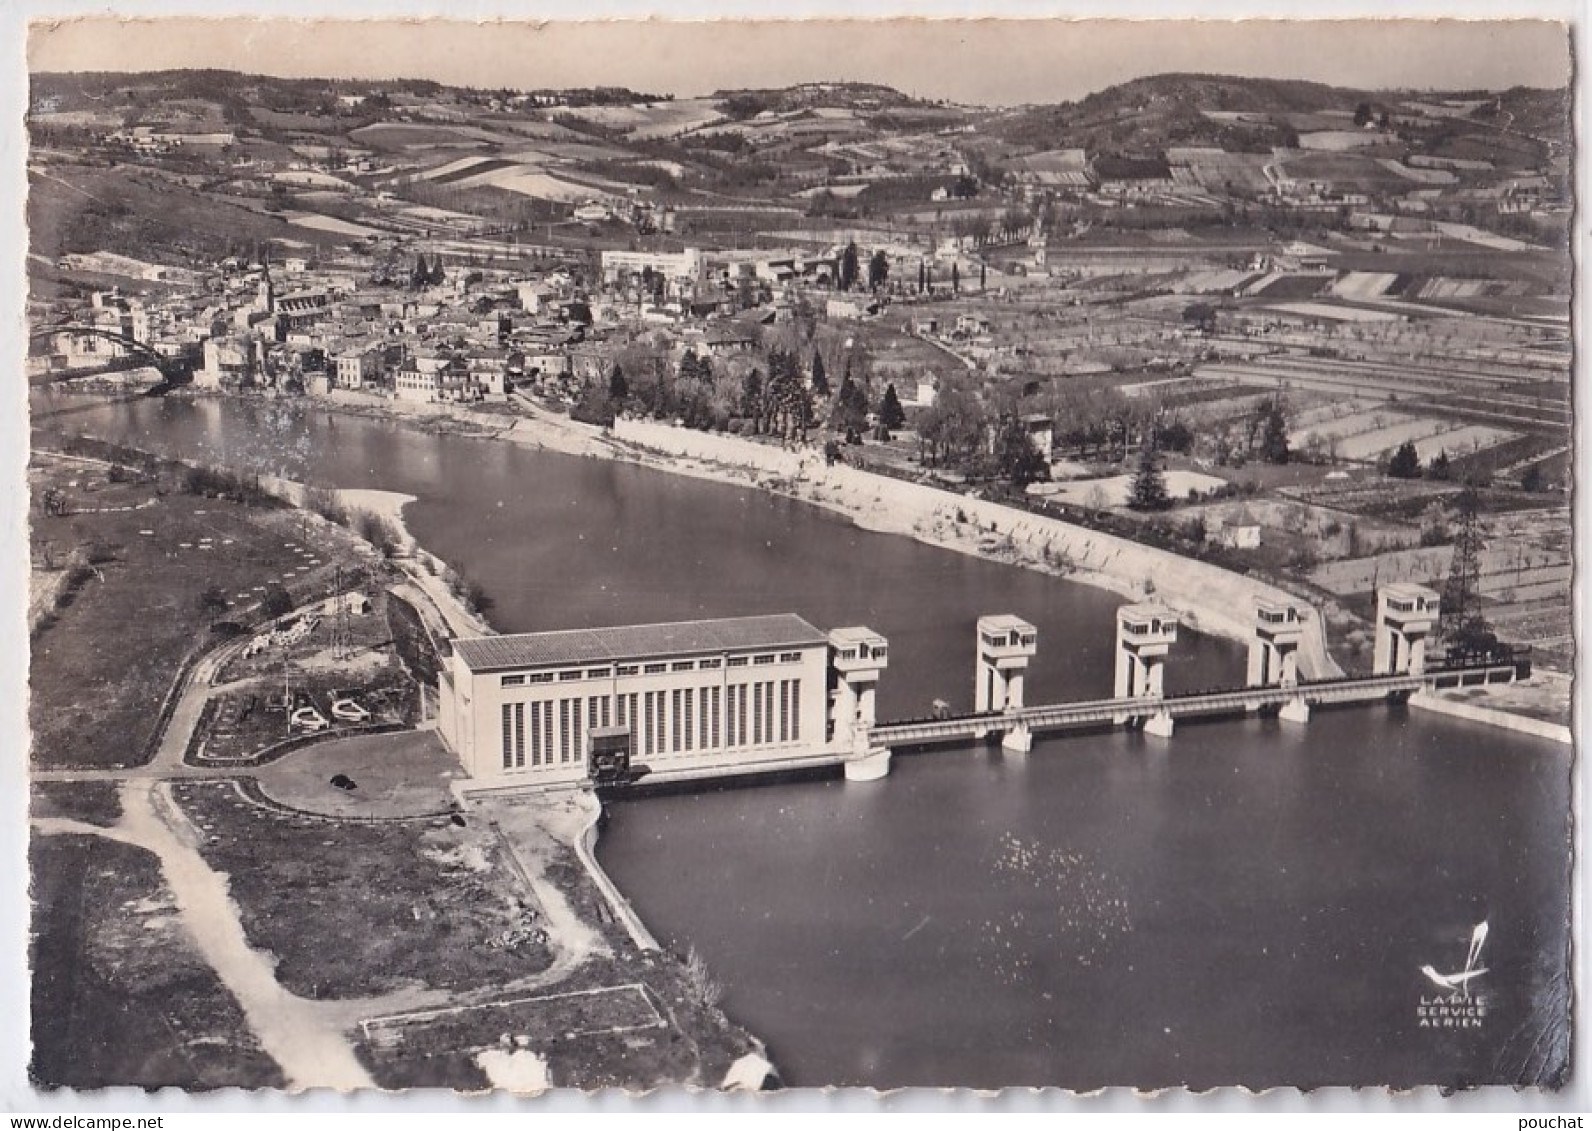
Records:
x=119, y=994
x=398, y=774
x=102, y=669
x=427, y=902
x=92, y=802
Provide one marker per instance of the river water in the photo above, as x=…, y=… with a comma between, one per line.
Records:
x=1250, y=902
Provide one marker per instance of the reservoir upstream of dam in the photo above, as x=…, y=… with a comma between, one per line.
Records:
x=1250, y=902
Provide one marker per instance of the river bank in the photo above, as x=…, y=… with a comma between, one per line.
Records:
x=1207, y=598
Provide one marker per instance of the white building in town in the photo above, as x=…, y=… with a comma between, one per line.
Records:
x=744, y=693
x=677, y=268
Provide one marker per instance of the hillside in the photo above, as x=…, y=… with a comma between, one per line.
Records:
x=859, y=96
x=1147, y=115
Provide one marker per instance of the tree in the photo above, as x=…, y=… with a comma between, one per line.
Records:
x=1405, y=462
x=786, y=408
x=851, y=409
x=618, y=387
x=848, y=266
x=1274, y=433
x=952, y=429
x=212, y=600
x=437, y=275
x=820, y=376
x=956, y=278
x=752, y=395
x=690, y=371
x=983, y=273
x=1202, y=315
x=891, y=414
x=1016, y=457
x=593, y=407
x=276, y=602
x=1149, y=483
x=1362, y=114
x=1438, y=467
x=878, y=270
x=923, y=276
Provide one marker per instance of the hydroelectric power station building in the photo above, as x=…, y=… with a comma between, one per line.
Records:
x=708, y=696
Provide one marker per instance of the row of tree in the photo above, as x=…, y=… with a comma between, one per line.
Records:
x=776, y=398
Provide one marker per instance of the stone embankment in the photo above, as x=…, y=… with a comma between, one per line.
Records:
x=1207, y=598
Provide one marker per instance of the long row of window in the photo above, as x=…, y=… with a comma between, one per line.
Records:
x=711, y=663
x=681, y=720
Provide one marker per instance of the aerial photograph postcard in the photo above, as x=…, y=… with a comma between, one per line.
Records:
x=764, y=556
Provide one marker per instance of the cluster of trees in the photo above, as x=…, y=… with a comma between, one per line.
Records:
x=392, y=272
x=382, y=534
x=773, y=395
x=983, y=440
x=851, y=268
x=420, y=275
x=1405, y=463
x=214, y=483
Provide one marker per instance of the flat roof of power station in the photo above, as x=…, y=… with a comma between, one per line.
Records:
x=636, y=641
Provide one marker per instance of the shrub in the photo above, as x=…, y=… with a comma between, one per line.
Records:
x=704, y=989
x=277, y=602
x=325, y=503
x=98, y=553
x=475, y=597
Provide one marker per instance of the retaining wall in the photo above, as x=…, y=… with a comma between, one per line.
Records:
x=1207, y=597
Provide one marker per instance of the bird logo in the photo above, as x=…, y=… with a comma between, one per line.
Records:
x=1457, y=984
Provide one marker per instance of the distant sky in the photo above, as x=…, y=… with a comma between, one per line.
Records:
x=990, y=62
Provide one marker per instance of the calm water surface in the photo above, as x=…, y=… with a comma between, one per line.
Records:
x=1250, y=902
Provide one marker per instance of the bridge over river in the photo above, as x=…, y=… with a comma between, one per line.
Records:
x=123, y=351
x=1406, y=615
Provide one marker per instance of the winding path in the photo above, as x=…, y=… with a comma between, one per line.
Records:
x=306, y=1038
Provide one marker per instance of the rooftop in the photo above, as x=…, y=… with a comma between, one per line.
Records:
x=855, y=634
x=586, y=645
x=1001, y=622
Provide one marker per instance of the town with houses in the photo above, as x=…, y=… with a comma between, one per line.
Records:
x=1368, y=273
x=1312, y=338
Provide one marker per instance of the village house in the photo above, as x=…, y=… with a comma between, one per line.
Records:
x=488, y=367
x=357, y=365
x=299, y=311
x=728, y=341
x=861, y=306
